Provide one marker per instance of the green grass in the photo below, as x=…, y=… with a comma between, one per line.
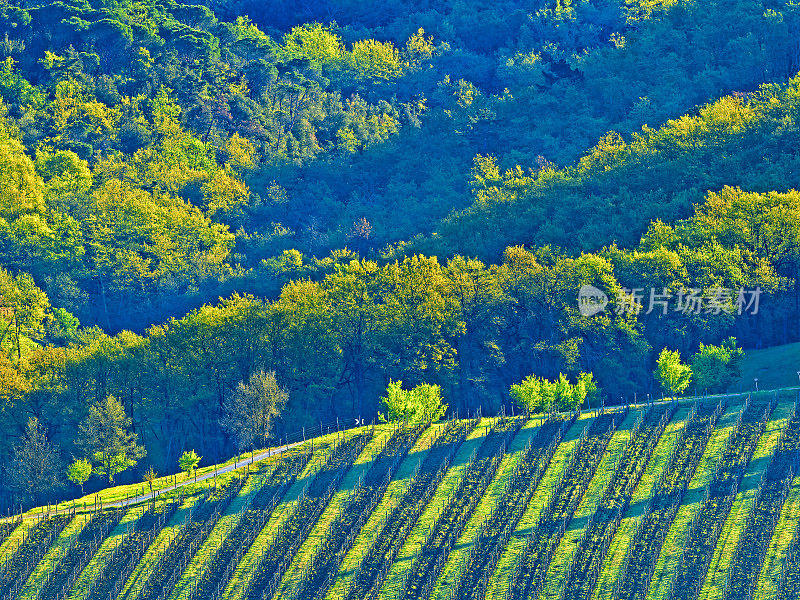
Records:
x=427, y=519
x=12, y=542
x=775, y=367
x=246, y=566
x=133, y=586
x=213, y=542
x=122, y=492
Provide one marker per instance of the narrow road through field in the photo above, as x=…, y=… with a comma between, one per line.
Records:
x=156, y=493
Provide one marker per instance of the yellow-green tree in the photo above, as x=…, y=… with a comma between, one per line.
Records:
x=372, y=59
x=671, y=373
x=105, y=437
x=421, y=404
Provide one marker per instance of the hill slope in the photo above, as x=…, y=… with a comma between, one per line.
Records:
x=669, y=501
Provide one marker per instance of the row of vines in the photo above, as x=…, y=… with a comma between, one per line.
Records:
x=640, y=561
x=531, y=569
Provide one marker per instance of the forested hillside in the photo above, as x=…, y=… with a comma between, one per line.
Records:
x=347, y=193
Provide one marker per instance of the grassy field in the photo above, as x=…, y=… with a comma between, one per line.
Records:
x=775, y=367
x=456, y=559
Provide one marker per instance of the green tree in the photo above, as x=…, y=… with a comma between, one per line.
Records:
x=21, y=188
x=68, y=180
x=188, y=462
x=25, y=310
x=586, y=390
x=36, y=467
x=251, y=410
x=541, y=395
x=528, y=394
x=417, y=302
x=376, y=60
x=715, y=367
x=422, y=404
x=79, y=471
x=428, y=400
x=476, y=296
x=105, y=437
x=313, y=42
x=355, y=318
x=671, y=373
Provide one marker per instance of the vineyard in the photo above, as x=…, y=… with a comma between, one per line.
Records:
x=676, y=500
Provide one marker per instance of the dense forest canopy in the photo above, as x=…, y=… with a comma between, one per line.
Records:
x=347, y=194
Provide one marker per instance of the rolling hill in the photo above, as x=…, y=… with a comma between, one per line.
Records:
x=675, y=500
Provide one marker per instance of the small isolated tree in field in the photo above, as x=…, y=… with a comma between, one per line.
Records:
x=79, y=471
x=422, y=404
x=671, y=373
x=150, y=476
x=188, y=463
x=251, y=411
x=105, y=437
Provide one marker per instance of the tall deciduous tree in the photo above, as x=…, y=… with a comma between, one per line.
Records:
x=36, y=466
x=355, y=316
x=25, y=309
x=251, y=411
x=671, y=373
x=105, y=437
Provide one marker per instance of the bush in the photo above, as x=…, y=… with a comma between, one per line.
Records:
x=422, y=404
x=541, y=395
x=716, y=367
